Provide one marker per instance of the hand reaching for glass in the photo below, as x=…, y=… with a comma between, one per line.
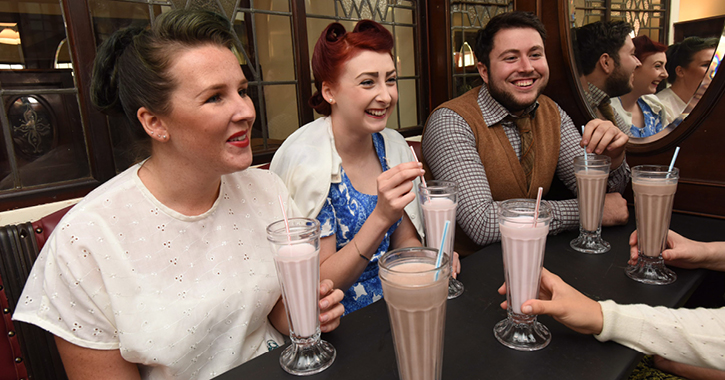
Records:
x=686, y=253
x=566, y=304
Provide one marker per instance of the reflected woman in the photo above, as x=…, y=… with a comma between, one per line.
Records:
x=347, y=169
x=640, y=108
x=164, y=272
x=687, y=63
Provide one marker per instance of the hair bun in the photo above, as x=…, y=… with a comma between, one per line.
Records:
x=104, y=87
x=368, y=25
x=334, y=32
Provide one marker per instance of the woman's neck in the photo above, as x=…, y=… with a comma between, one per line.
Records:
x=629, y=101
x=681, y=90
x=351, y=143
x=179, y=187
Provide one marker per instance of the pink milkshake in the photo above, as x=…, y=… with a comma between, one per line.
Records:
x=435, y=213
x=523, y=257
x=523, y=243
x=296, y=247
x=439, y=200
x=299, y=268
x=416, y=294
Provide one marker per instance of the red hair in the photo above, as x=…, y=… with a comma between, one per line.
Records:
x=644, y=47
x=336, y=46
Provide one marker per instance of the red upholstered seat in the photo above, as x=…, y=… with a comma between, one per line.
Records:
x=26, y=351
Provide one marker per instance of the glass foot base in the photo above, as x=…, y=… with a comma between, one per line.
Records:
x=651, y=270
x=455, y=288
x=307, y=356
x=590, y=242
x=527, y=334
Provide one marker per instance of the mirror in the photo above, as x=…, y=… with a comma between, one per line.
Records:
x=651, y=20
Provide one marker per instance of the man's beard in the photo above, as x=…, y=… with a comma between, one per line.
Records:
x=618, y=83
x=508, y=100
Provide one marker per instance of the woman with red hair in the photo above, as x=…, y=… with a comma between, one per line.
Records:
x=641, y=108
x=349, y=171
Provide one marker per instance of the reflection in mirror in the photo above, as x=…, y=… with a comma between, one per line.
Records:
x=648, y=18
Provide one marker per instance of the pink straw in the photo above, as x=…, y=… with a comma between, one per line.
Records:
x=422, y=180
x=538, y=202
x=284, y=214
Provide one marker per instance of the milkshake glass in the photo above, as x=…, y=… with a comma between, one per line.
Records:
x=438, y=200
x=592, y=175
x=415, y=291
x=297, y=259
x=654, y=189
x=523, y=246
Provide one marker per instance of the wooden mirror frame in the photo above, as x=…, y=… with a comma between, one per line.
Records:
x=670, y=137
x=701, y=136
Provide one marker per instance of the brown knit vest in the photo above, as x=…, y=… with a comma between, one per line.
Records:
x=505, y=176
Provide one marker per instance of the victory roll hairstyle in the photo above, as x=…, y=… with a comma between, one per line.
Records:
x=337, y=46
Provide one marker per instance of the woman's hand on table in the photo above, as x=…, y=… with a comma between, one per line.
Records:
x=330, y=307
x=566, y=304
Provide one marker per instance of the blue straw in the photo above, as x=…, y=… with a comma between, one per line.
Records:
x=585, y=148
x=439, y=259
x=674, y=157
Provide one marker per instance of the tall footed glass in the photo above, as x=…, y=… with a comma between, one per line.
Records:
x=592, y=174
x=415, y=290
x=297, y=259
x=438, y=200
x=654, y=188
x=523, y=244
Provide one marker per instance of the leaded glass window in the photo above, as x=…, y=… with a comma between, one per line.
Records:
x=467, y=17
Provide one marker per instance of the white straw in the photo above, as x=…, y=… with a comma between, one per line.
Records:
x=538, y=202
x=439, y=259
x=422, y=180
x=674, y=157
x=284, y=215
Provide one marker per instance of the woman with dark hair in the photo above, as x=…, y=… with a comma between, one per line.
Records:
x=640, y=108
x=687, y=63
x=349, y=171
x=163, y=272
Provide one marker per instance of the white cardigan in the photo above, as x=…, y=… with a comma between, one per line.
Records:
x=308, y=163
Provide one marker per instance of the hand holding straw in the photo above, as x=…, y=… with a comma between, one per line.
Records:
x=538, y=202
x=422, y=179
x=286, y=221
x=439, y=259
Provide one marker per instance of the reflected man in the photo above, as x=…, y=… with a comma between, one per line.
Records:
x=606, y=57
x=504, y=139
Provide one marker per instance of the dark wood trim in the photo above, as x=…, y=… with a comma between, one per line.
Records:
x=83, y=52
x=33, y=197
x=422, y=33
x=440, y=71
x=302, y=61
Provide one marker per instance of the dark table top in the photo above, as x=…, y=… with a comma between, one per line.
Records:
x=365, y=346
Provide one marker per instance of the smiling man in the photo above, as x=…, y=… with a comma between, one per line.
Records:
x=504, y=139
x=607, y=62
